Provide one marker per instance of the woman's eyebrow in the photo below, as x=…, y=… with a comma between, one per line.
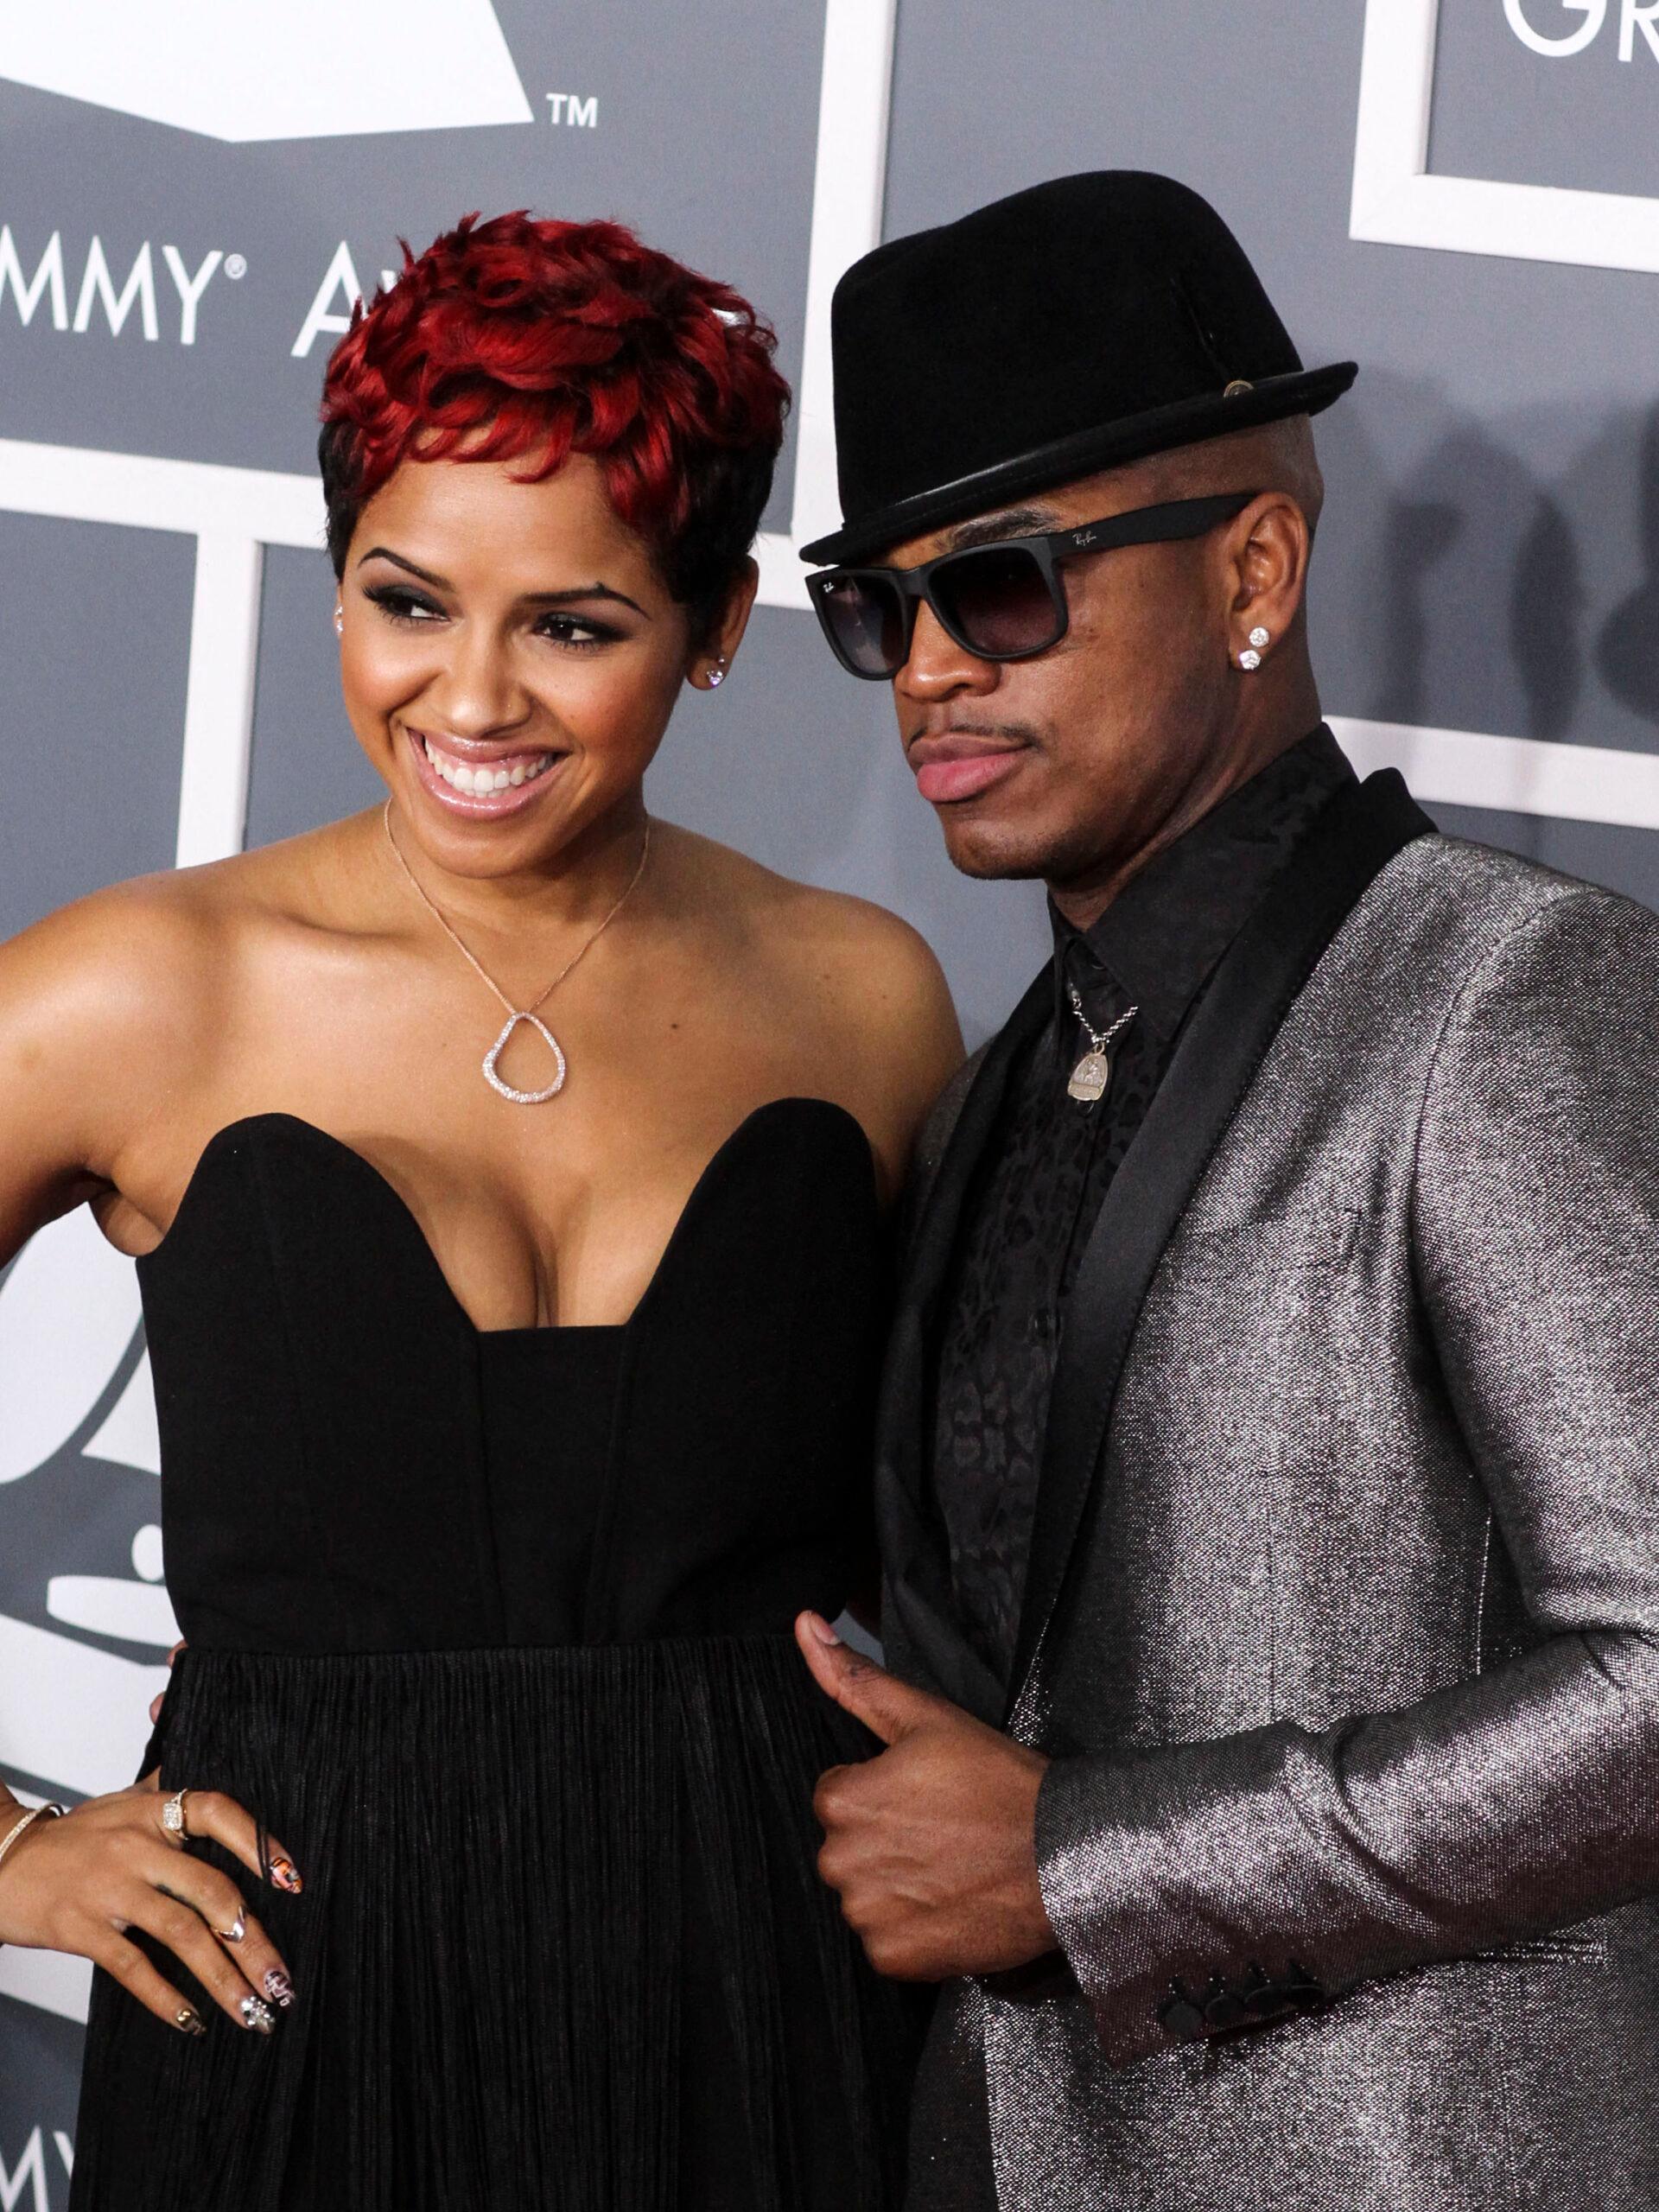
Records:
x=426, y=575
x=526, y=598
x=579, y=591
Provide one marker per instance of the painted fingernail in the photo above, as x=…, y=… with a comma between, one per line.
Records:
x=256, y=2013
x=821, y=1629
x=286, y=1876
x=188, y=2021
x=279, y=1988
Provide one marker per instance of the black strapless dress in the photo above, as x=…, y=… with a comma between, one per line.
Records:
x=491, y=1628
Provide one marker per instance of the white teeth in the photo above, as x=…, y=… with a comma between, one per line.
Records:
x=476, y=782
x=480, y=781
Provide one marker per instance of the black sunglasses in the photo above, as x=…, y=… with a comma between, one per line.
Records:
x=1003, y=601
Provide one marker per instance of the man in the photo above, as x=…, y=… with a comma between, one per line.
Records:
x=1269, y=1468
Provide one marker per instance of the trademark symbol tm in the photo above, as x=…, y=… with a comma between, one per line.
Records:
x=572, y=108
x=235, y=267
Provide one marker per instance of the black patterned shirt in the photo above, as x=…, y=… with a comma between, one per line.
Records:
x=1052, y=1158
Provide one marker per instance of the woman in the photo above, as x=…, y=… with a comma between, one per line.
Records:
x=505, y=1171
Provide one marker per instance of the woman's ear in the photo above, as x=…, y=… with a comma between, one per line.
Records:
x=710, y=661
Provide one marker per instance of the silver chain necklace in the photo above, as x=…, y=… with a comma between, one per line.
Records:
x=1093, y=1072
x=516, y=1014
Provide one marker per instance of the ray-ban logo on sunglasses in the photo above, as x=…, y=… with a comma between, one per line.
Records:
x=1083, y=537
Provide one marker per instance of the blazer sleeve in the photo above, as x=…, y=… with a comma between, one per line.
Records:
x=1214, y=1886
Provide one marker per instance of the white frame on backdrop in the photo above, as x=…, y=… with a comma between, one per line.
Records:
x=1396, y=200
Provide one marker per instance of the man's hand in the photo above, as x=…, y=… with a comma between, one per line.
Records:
x=931, y=1845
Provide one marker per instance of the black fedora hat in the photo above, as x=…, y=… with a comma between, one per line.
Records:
x=1088, y=321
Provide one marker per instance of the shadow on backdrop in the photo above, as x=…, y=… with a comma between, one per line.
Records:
x=1548, y=601
x=1627, y=652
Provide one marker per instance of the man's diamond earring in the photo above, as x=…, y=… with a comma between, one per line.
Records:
x=340, y=621
x=1251, y=660
x=718, y=673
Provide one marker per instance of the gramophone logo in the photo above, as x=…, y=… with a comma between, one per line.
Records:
x=239, y=71
x=75, y=1387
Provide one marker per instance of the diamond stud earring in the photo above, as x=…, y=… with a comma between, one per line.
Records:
x=1250, y=660
x=718, y=673
x=340, y=621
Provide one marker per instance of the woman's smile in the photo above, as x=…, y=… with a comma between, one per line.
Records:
x=481, y=782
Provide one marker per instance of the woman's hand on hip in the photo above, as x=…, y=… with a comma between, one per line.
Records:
x=86, y=1882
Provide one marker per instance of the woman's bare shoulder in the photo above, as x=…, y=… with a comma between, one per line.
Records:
x=868, y=974
x=135, y=946
x=834, y=929
x=99, y=996
x=116, y=950
x=93, y=1026
x=110, y=1005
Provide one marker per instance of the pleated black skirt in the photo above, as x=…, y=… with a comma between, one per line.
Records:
x=562, y=1945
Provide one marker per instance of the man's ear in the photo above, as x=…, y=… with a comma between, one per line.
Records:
x=1270, y=545
x=708, y=661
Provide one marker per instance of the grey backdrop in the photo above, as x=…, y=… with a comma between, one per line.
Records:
x=1490, y=561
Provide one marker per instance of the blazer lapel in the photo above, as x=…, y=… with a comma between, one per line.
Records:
x=915, y=1549
x=1252, y=989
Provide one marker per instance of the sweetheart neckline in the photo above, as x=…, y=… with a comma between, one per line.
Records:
x=377, y=1177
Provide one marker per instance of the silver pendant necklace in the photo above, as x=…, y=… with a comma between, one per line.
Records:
x=1093, y=1073
x=530, y=1013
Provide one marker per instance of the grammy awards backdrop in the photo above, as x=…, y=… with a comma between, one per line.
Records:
x=1463, y=194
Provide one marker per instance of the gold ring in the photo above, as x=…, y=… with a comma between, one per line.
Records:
x=173, y=1815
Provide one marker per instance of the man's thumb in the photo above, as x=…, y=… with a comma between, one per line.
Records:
x=889, y=1708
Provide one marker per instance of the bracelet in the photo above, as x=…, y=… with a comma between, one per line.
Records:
x=51, y=1812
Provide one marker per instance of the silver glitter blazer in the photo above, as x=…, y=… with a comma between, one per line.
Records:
x=1346, y=1645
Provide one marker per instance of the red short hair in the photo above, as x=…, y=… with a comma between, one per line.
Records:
x=518, y=339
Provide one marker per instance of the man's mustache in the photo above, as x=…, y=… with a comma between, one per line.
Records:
x=1005, y=732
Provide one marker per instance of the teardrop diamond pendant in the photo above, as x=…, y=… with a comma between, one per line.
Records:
x=1091, y=1078
x=499, y=1084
